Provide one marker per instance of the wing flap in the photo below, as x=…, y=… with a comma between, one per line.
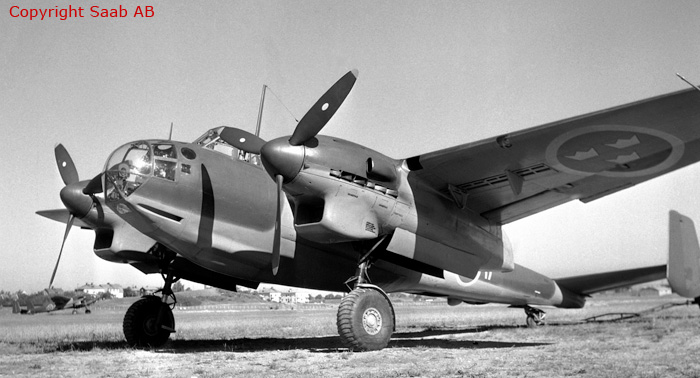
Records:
x=585, y=158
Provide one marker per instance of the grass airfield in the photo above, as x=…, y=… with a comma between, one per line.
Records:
x=431, y=340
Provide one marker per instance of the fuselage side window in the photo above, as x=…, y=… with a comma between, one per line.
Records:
x=165, y=165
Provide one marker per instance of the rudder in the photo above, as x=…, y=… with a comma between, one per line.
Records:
x=683, y=270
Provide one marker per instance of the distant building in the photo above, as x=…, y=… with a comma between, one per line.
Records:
x=290, y=297
x=96, y=290
x=655, y=291
x=270, y=295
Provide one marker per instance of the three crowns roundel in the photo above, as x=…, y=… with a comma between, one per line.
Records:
x=614, y=151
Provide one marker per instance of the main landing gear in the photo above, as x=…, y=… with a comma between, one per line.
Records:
x=535, y=316
x=366, y=318
x=150, y=321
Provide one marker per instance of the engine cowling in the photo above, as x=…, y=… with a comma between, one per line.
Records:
x=336, y=201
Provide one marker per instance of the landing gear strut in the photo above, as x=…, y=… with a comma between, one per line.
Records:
x=535, y=316
x=150, y=321
x=365, y=316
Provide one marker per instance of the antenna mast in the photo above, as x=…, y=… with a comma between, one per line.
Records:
x=260, y=110
x=688, y=82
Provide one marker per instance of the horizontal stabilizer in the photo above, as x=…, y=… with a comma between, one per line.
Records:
x=61, y=215
x=683, y=256
x=594, y=283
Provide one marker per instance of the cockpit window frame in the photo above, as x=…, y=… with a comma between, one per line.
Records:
x=211, y=140
x=165, y=164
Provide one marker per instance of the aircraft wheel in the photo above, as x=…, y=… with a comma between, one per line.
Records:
x=531, y=322
x=141, y=327
x=365, y=320
x=535, y=317
x=87, y=311
x=535, y=321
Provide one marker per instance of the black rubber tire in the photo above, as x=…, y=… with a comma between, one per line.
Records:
x=531, y=322
x=365, y=320
x=140, y=328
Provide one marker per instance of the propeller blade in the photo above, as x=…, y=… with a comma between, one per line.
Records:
x=66, y=167
x=94, y=186
x=69, y=224
x=278, y=226
x=242, y=140
x=316, y=118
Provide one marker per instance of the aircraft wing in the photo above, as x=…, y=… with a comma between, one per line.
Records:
x=593, y=283
x=61, y=215
x=512, y=176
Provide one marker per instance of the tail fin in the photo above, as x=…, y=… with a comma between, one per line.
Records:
x=15, y=307
x=683, y=270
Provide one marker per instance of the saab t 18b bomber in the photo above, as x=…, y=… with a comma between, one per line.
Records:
x=323, y=213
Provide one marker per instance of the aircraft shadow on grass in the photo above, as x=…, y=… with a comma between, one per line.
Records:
x=329, y=344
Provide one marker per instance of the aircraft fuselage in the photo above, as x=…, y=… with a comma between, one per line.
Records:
x=215, y=207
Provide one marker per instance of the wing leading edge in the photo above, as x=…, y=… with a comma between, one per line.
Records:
x=512, y=176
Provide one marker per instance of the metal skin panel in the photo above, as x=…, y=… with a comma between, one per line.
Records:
x=350, y=212
x=589, y=156
x=683, y=262
x=438, y=233
x=438, y=221
x=342, y=155
x=520, y=287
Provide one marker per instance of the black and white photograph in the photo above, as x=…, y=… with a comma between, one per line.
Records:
x=361, y=188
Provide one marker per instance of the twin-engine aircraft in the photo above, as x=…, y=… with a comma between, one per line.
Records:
x=323, y=213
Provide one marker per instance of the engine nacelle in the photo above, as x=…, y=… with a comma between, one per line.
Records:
x=337, y=207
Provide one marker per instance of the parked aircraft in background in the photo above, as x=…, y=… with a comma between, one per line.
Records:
x=339, y=216
x=50, y=303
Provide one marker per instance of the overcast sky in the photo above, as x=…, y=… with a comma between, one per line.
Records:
x=432, y=74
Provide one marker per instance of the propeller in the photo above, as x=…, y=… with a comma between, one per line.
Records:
x=69, y=224
x=316, y=118
x=66, y=167
x=72, y=196
x=242, y=140
x=284, y=157
x=278, y=226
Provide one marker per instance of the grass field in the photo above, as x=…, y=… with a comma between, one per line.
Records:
x=430, y=341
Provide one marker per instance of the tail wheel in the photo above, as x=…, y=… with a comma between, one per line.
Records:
x=535, y=317
x=141, y=326
x=365, y=320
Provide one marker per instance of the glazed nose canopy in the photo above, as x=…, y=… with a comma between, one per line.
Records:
x=281, y=158
x=75, y=201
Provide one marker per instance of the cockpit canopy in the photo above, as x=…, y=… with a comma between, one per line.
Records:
x=132, y=164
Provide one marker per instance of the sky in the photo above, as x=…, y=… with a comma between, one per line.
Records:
x=431, y=75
